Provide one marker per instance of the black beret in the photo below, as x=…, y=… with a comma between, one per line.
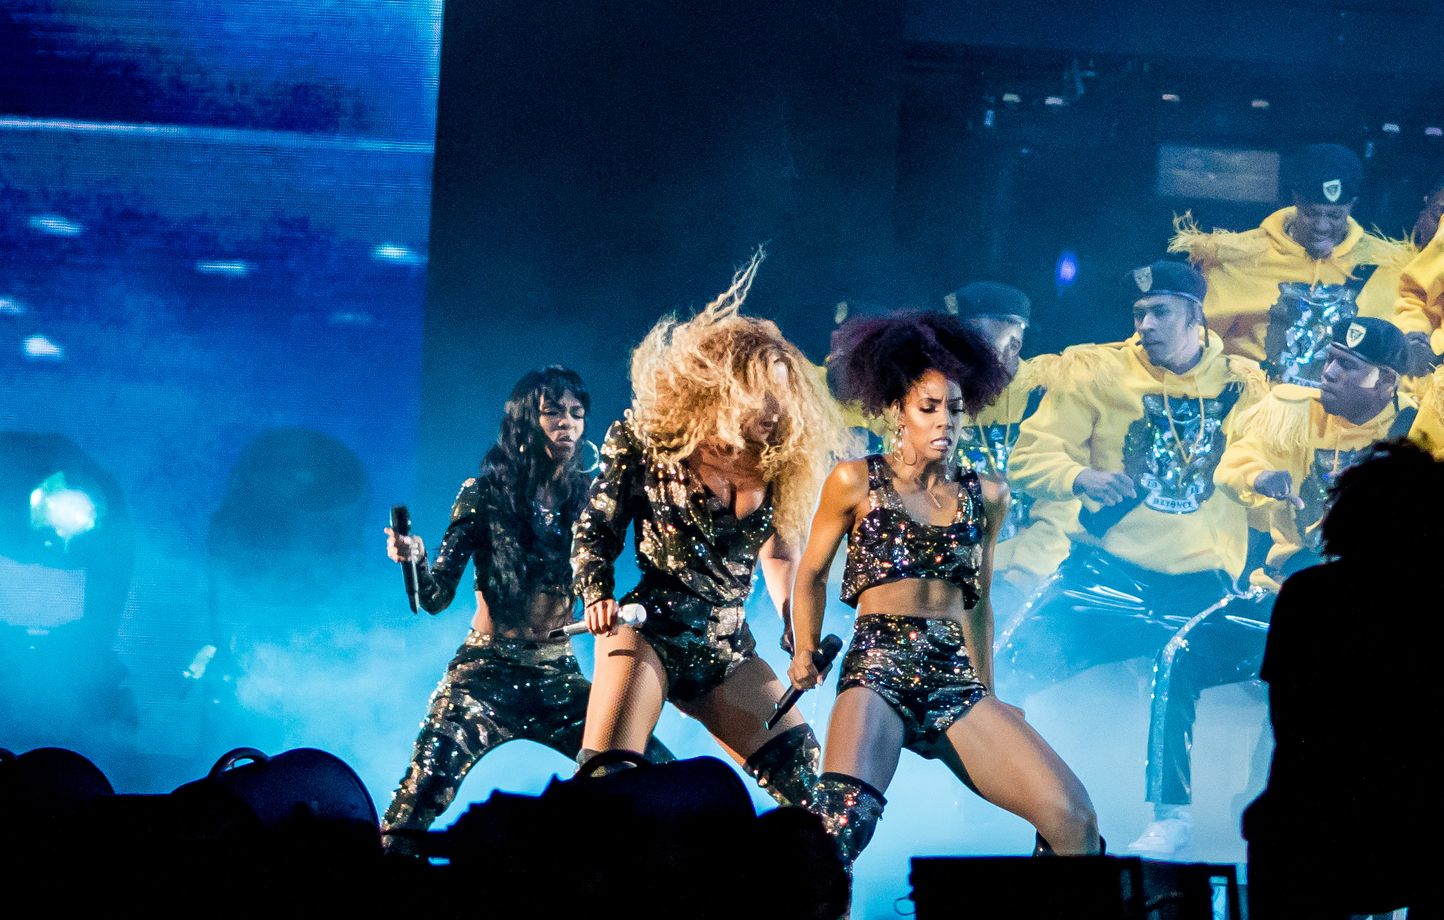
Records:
x=1326, y=174
x=1164, y=277
x=989, y=298
x=1375, y=341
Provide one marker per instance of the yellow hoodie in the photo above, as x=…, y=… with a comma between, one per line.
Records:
x=1036, y=551
x=1035, y=539
x=1111, y=409
x=1428, y=430
x=1249, y=273
x=1420, y=305
x=1290, y=431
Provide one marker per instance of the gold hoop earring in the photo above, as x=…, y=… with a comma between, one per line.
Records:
x=897, y=449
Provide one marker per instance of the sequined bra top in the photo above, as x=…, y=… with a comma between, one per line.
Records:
x=888, y=545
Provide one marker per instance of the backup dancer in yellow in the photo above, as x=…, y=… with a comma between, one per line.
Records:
x=1134, y=430
x=1419, y=310
x=1275, y=292
x=1034, y=538
x=1288, y=451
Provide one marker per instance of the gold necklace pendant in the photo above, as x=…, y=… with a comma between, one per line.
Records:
x=936, y=502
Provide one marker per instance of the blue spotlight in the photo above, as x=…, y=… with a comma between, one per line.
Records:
x=230, y=268
x=397, y=255
x=1066, y=271
x=55, y=225
x=54, y=506
x=41, y=348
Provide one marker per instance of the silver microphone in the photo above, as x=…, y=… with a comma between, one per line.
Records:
x=628, y=615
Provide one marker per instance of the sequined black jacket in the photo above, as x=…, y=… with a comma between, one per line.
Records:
x=517, y=558
x=687, y=540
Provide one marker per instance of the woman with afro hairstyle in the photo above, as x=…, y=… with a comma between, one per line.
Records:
x=716, y=468
x=920, y=536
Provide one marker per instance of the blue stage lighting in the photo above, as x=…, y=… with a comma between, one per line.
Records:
x=396, y=254
x=1067, y=269
x=41, y=348
x=231, y=268
x=54, y=506
x=55, y=225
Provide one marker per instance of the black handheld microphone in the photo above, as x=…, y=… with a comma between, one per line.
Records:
x=401, y=526
x=822, y=660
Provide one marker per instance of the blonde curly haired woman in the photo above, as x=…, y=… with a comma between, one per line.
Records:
x=716, y=467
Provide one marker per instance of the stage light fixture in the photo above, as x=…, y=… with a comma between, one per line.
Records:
x=1055, y=101
x=1014, y=98
x=1390, y=128
x=9, y=306
x=1259, y=104
x=1434, y=131
x=1170, y=97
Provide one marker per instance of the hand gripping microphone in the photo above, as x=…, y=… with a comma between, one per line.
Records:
x=627, y=615
x=401, y=526
x=822, y=660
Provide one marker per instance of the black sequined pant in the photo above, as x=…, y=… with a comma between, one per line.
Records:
x=495, y=690
x=1099, y=609
x=1221, y=645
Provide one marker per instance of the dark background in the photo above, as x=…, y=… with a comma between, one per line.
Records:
x=599, y=164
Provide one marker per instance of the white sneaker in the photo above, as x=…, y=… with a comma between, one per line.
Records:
x=1163, y=839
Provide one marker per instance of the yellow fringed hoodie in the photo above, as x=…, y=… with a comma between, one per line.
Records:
x=1111, y=409
x=1011, y=406
x=1420, y=305
x=1428, y=430
x=1038, y=542
x=1038, y=549
x=1290, y=431
x=1244, y=271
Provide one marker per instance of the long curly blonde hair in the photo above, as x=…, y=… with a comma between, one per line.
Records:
x=704, y=379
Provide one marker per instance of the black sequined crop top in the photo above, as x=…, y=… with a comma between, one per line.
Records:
x=888, y=545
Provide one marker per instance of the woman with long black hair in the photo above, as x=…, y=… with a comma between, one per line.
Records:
x=508, y=680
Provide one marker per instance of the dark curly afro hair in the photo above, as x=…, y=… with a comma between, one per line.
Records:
x=880, y=359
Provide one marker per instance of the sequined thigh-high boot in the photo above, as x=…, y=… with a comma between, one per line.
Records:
x=787, y=766
x=850, y=810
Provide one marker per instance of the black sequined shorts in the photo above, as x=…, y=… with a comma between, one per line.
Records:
x=917, y=664
x=699, y=644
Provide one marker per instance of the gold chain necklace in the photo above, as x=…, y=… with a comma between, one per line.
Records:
x=1007, y=442
x=925, y=489
x=1183, y=450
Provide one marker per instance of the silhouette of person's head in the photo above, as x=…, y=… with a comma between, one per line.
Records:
x=1388, y=507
